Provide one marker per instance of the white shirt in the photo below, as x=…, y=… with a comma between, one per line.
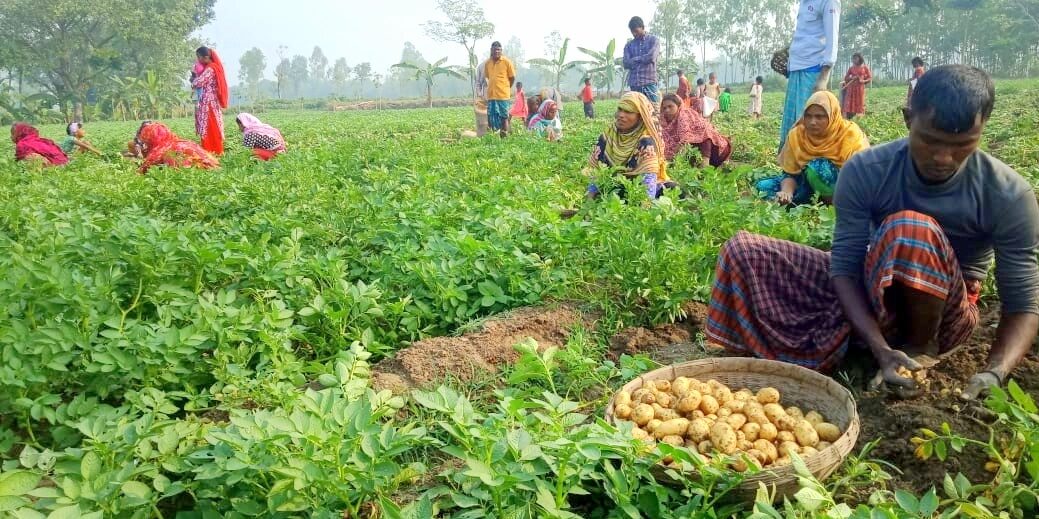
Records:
x=815, y=38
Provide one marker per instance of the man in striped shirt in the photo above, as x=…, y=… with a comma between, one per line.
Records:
x=640, y=60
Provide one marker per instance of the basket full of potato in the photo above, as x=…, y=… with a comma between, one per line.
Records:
x=751, y=411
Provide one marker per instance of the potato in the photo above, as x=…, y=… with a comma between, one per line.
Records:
x=674, y=440
x=740, y=435
x=785, y=423
x=768, y=432
x=736, y=420
x=704, y=389
x=642, y=414
x=663, y=386
x=758, y=456
x=723, y=438
x=756, y=415
x=650, y=385
x=690, y=444
x=622, y=398
x=828, y=432
x=774, y=411
x=680, y=386
x=652, y=425
x=723, y=413
x=814, y=417
x=708, y=404
x=673, y=427
x=649, y=397
x=795, y=412
x=664, y=399
x=699, y=430
x=785, y=460
x=805, y=434
x=696, y=414
x=665, y=414
x=639, y=434
x=768, y=448
x=716, y=386
x=735, y=406
x=768, y=395
x=808, y=451
x=689, y=402
x=739, y=465
x=712, y=417
x=705, y=447
x=723, y=395
x=639, y=394
x=622, y=411
x=744, y=445
x=786, y=436
x=743, y=395
x=823, y=445
x=786, y=448
x=751, y=430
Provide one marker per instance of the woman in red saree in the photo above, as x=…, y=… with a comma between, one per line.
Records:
x=162, y=147
x=854, y=86
x=681, y=126
x=209, y=117
x=28, y=145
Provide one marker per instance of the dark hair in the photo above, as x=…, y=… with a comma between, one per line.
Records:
x=587, y=80
x=680, y=72
x=759, y=79
x=699, y=81
x=918, y=61
x=636, y=23
x=953, y=96
x=672, y=98
x=727, y=90
x=712, y=74
x=496, y=44
x=519, y=84
x=858, y=55
x=202, y=51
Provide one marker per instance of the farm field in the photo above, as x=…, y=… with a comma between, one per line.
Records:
x=325, y=335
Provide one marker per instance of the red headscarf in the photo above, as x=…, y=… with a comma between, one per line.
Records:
x=163, y=147
x=688, y=127
x=27, y=142
x=222, y=93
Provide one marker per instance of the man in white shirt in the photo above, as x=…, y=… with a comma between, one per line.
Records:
x=813, y=52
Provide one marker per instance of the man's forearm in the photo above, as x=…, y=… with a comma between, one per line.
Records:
x=1014, y=338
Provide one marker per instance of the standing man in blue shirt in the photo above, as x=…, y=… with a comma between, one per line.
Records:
x=813, y=52
x=640, y=60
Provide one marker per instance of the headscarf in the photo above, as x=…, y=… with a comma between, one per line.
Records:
x=688, y=127
x=73, y=128
x=163, y=147
x=27, y=142
x=542, y=114
x=252, y=124
x=222, y=93
x=843, y=138
x=621, y=146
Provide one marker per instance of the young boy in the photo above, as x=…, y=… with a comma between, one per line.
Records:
x=75, y=137
x=756, y=92
x=588, y=97
x=725, y=100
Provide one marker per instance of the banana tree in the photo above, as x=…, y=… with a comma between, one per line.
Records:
x=429, y=74
x=603, y=66
x=558, y=66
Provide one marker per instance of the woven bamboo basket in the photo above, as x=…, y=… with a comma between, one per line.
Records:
x=798, y=386
x=781, y=61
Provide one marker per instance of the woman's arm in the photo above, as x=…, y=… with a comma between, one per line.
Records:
x=786, y=191
x=87, y=146
x=204, y=78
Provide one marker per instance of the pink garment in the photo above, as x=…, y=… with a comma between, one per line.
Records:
x=519, y=106
x=198, y=68
x=253, y=125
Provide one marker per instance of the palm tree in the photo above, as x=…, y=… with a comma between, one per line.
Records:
x=603, y=64
x=429, y=73
x=557, y=67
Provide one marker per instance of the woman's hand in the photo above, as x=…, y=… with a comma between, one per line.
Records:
x=784, y=198
x=593, y=159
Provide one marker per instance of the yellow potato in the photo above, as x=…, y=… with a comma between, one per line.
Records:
x=768, y=395
x=665, y=414
x=716, y=386
x=739, y=465
x=823, y=445
x=774, y=411
x=785, y=423
x=723, y=395
x=786, y=436
x=740, y=435
x=736, y=420
x=814, y=417
x=680, y=386
x=768, y=432
x=663, y=386
x=699, y=430
x=785, y=460
x=622, y=411
x=828, y=432
x=805, y=434
x=639, y=434
x=795, y=412
x=744, y=445
x=690, y=444
x=650, y=385
x=743, y=395
x=664, y=399
x=697, y=414
x=723, y=413
x=712, y=417
x=758, y=456
x=808, y=451
x=786, y=448
x=708, y=404
x=648, y=397
x=704, y=389
x=622, y=398
x=735, y=406
x=673, y=427
x=704, y=447
x=689, y=402
x=642, y=414
x=653, y=424
x=768, y=448
x=677, y=441
x=751, y=430
x=639, y=394
x=723, y=438
x=757, y=416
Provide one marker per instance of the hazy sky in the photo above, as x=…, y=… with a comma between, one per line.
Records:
x=375, y=30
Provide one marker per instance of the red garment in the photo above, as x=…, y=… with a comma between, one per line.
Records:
x=683, y=88
x=918, y=72
x=586, y=94
x=27, y=142
x=519, y=106
x=265, y=155
x=163, y=147
x=855, y=89
x=209, y=117
x=688, y=127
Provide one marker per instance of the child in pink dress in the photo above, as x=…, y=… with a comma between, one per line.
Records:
x=195, y=72
x=519, y=106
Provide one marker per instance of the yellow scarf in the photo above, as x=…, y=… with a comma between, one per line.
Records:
x=843, y=138
x=621, y=146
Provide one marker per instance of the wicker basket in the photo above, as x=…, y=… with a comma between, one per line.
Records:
x=799, y=387
x=781, y=60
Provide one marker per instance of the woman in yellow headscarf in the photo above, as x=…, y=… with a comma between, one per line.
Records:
x=632, y=146
x=816, y=149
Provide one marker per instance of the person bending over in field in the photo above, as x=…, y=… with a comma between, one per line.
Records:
x=162, y=147
x=546, y=121
x=815, y=150
x=76, y=139
x=265, y=140
x=631, y=147
x=919, y=221
x=681, y=126
x=30, y=147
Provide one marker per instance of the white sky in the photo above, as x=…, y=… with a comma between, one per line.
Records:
x=375, y=30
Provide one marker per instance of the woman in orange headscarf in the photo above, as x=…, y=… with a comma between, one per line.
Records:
x=209, y=117
x=815, y=150
x=162, y=147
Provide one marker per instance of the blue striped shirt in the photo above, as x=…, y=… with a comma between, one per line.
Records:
x=640, y=60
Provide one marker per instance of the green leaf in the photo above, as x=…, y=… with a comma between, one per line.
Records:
x=9, y=503
x=67, y=512
x=928, y=504
x=478, y=469
x=136, y=490
x=1022, y=398
x=907, y=501
x=18, y=482
x=949, y=487
x=810, y=498
x=90, y=466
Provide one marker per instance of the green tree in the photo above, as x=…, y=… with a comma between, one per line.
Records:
x=428, y=73
x=604, y=65
x=252, y=65
x=363, y=72
x=668, y=26
x=557, y=66
x=283, y=74
x=318, y=64
x=466, y=25
x=340, y=75
x=299, y=73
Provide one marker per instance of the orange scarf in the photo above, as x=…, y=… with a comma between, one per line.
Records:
x=843, y=138
x=222, y=92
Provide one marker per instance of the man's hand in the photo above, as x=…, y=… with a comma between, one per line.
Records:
x=979, y=385
x=784, y=198
x=823, y=82
x=890, y=361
